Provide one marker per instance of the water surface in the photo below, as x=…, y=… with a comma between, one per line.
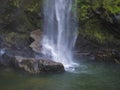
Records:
x=89, y=76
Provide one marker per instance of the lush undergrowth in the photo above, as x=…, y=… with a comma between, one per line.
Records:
x=99, y=20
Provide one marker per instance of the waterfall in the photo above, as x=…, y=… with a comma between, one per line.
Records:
x=59, y=31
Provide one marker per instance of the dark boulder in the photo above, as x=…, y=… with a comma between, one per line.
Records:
x=33, y=65
x=5, y=60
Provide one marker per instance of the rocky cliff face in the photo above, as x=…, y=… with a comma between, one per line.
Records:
x=36, y=44
x=35, y=66
x=17, y=19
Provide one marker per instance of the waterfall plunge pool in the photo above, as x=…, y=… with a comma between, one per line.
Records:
x=88, y=76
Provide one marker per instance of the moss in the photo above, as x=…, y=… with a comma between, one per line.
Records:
x=14, y=12
x=14, y=39
x=16, y=3
x=34, y=18
x=99, y=36
x=30, y=5
x=106, y=8
x=9, y=37
x=94, y=30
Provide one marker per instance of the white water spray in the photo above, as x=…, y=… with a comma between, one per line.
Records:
x=59, y=32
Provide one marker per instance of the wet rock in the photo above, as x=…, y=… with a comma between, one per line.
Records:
x=6, y=60
x=117, y=18
x=33, y=65
x=108, y=55
x=36, y=46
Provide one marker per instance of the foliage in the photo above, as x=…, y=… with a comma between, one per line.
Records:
x=94, y=16
x=95, y=31
x=104, y=7
x=32, y=6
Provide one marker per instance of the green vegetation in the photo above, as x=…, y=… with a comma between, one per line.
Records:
x=96, y=17
x=104, y=7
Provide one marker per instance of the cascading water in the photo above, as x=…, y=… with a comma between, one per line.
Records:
x=59, y=31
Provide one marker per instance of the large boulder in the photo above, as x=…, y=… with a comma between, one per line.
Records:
x=33, y=65
x=35, y=45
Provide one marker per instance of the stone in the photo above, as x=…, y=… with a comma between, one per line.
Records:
x=36, y=35
x=108, y=55
x=35, y=45
x=31, y=65
x=5, y=60
x=36, y=66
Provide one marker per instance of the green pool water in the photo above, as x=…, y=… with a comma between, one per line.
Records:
x=89, y=76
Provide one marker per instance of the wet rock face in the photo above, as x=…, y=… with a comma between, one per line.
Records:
x=108, y=55
x=6, y=60
x=17, y=19
x=33, y=65
x=35, y=45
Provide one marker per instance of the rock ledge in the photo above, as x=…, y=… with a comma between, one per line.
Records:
x=33, y=65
